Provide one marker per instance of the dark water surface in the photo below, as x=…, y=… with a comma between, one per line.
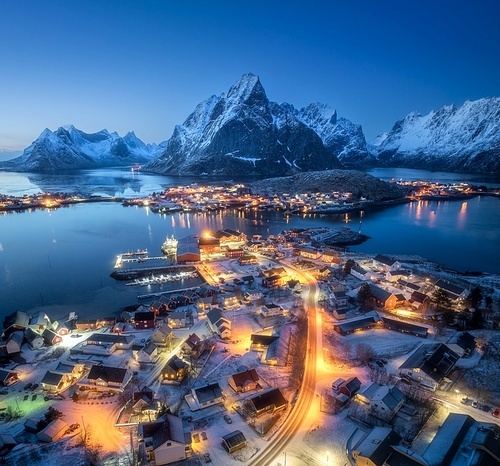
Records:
x=62, y=259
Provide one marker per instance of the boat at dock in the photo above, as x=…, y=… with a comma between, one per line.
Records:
x=138, y=253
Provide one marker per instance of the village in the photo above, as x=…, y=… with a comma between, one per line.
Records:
x=405, y=374
x=210, y=198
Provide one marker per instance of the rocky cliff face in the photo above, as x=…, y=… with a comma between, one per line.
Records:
x=465, y=138
x=341, y=137
x=243, y=133
x=66, y=149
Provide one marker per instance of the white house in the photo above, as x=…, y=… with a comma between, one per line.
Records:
x=162, y=336
x=177, y=319
x=146, y=354
x=204, y=396
x=385, y=401
x=385, y=263
x=163, y=441
x=271, y=310
x=218, y=323
x=34, y=339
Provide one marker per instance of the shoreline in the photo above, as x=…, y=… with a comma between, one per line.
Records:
x=367, y=206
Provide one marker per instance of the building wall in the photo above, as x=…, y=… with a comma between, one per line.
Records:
x=169, y=454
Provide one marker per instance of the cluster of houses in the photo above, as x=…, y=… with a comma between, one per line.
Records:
x=415, y=289
x=36, y=330
x=460, y=440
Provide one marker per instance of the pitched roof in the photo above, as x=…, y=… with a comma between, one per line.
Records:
x=215, y=315
x=352, y=385
x=445, y=443
x=64, y=368
x=466, y=341
x=108, y=374
x=434, y=359
x=52, y=378
x=168, y=427
x=233, y=439
x=405, y=326
x=452, y=288
x=175, y=363
x=379, y=293
x=18, y=318
x=390, y=396
x=384, y=260
x=208, y=392
x=377, y=444
x=270, y=397
x=149, y=348
x=31, y=335
x=164, y=329
x=264, y=340
x=242, y=378
x=146, y=315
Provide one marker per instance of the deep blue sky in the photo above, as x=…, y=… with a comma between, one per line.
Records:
x=144, y=65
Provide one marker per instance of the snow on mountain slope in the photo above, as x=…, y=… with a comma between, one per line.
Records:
x=71, y=148
x=243, y=133
x=465, y=138
x=340, y=136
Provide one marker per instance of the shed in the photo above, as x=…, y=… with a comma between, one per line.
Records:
x=53, y=432
x=234, y=441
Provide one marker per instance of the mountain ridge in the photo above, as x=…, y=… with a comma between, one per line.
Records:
x=243, y=132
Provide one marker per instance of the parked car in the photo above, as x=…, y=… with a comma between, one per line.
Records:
x=34, y=387
x=379, y=363
x=383, y=360
x=371, y=365
x=464, y=400
x=475, y=404
x=228, y=419
x=28, y=386
x=496, y=413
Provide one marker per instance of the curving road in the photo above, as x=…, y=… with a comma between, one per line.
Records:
x=307, y=391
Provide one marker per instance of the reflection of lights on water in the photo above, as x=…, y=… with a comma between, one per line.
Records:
x=418, y=210
x=462, y=214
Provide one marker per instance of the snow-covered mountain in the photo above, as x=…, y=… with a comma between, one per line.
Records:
x=465, y=138
x=243, y=133
x=343, y=139
x=71, y=148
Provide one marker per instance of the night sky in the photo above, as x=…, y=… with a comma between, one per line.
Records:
x=144, y=65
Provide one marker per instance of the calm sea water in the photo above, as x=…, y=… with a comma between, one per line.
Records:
x=60, y=260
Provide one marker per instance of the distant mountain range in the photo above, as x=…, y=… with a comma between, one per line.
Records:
x=67, y=149
x=465, y=138
x=245, y=133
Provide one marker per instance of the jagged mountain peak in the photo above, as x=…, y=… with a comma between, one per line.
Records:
x=248, y=89
x=70, y=148
x=243, y=132
x=320, y=112
x=454, y=138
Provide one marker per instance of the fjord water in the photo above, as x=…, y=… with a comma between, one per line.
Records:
x=60, y=260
